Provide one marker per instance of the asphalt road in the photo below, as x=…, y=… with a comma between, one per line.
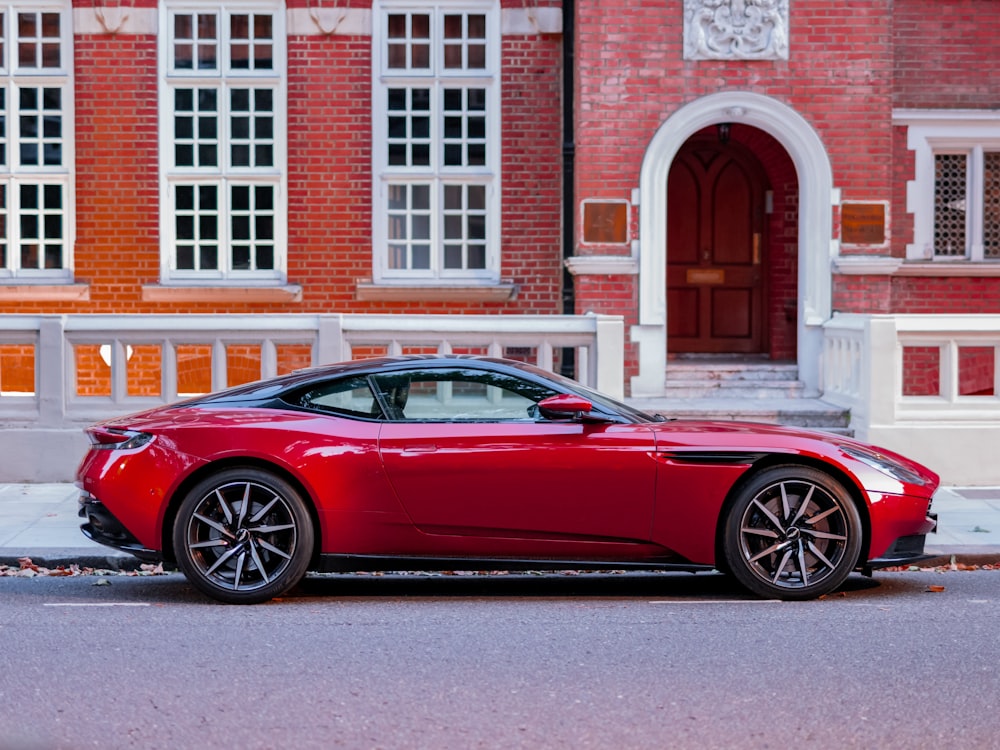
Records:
x=644, y=661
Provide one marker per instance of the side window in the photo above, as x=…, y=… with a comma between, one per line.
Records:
x=349, y=397
x=459, y=394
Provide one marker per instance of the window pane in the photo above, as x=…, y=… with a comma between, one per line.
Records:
x=421, y=227
x=397, y=257
x=397, y=197
x=421, y=26
x=39, y=40
x=421, y=197
x=40, y=126
x=477, y=256
x=453, y=256
x=991, y=204
x=41, y=225
x=477, y=197
x=477, y=227
x=250, y=42
x=4, y=239
x=196, y=227
x=421, y=155
x=421, y=257
x=950, y=204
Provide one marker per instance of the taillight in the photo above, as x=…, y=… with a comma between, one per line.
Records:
x=116, y=438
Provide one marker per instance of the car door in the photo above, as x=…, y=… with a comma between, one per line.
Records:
x=468, y=454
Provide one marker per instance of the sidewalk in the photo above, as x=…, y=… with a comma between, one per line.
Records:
x=39, y=521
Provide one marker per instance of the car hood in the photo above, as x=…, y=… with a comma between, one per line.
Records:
x=719, y=437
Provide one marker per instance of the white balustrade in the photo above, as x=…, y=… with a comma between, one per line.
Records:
x=873, y=365
x=59, y=404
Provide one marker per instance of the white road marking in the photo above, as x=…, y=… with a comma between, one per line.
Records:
x=95, y=604
x=719, y=601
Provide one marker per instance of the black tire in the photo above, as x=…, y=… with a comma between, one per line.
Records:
x=792, y=533
x=243, y=536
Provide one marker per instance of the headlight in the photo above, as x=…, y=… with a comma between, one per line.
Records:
x=884, y=464
x=116, y=439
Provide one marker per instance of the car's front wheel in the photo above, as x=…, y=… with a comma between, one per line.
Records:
x=243, y=536
x=793, y=532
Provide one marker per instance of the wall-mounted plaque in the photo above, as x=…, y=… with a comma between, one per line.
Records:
x=862, y=223
x=706, y=276
x=605, y=222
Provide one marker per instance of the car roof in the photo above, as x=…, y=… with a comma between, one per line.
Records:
x=282, y=383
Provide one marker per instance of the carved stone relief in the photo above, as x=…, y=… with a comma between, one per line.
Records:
x=736, y=29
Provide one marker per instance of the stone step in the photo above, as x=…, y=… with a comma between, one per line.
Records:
x=731, y=378
x=733, y=389
x=730, y=371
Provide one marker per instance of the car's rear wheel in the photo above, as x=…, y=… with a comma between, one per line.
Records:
x=243, y=536
x=793, y=532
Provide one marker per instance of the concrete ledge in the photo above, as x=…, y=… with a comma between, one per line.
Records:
x=40, y=455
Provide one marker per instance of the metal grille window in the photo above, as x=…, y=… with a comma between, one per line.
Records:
x=35, y=143
x=991, y=205
x=949, y=204
x=436, y=93
x=967, y=204
x=223, y=98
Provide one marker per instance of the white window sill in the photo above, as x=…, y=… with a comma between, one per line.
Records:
x=201, y=293
x=950, y=268
x=367, y=291
x=877, y=265
x=602, y=265
x=16, y=292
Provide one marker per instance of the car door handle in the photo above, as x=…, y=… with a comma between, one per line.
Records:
x=420, y=449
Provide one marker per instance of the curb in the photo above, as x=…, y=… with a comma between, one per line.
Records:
x=963, y=554
x=84, y=557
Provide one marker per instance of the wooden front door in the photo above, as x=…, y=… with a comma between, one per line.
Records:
x=715, y=248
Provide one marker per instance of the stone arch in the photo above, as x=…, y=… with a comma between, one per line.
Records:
x=815, y=228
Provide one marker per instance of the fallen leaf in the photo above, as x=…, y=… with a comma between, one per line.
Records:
x=935, y=589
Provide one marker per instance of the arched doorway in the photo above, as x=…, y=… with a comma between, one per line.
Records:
x=814, y=232
x=716, y=243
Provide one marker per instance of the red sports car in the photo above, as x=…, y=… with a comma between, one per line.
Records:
x=472, y=463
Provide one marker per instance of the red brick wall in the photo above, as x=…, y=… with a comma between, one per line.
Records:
x=946, y=54
x=329, y=177
x=949, y=294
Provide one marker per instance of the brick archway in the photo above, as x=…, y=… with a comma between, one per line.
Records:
x=815, y=179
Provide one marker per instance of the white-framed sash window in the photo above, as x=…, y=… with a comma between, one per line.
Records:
x=36, y=143
x=222, y=137
x=436, y=142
